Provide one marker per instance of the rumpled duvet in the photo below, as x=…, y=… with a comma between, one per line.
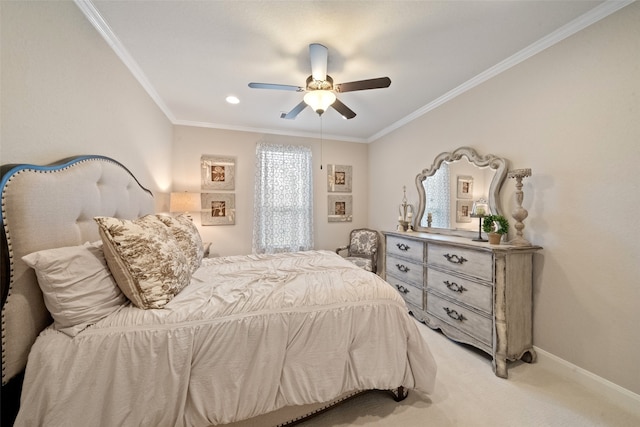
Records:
x=248, y=335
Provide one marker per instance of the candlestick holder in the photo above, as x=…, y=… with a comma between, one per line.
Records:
x=519, y=213
x=406, y=212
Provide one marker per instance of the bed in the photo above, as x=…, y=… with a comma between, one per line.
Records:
x=242, y=340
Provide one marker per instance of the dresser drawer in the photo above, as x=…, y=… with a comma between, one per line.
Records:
x=478, y=295
x=406, y=248
x=467, y=261
x=405, y=270
x=410, y=293
x=473, y=324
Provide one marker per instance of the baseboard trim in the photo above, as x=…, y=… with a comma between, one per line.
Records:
x=626, y=398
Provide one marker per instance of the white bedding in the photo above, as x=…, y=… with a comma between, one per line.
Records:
x=248, y=335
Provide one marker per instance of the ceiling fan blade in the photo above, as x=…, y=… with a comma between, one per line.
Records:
x=319, y=56
x=275, y=86
x=294, y=113
x=344, y=111
x=379, y=83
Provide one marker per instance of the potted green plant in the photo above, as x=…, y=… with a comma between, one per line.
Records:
x=495, y=226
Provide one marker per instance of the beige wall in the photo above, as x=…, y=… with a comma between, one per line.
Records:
x=64, y=92
x=192, y=142
x=572, y=114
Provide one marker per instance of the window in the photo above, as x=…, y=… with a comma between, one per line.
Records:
x=283, y=206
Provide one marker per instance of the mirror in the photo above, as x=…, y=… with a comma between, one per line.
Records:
x=448, y=189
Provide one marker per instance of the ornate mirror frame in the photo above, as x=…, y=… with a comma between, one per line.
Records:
x=498, y=164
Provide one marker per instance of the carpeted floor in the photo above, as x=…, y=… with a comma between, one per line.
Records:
x=469, y=394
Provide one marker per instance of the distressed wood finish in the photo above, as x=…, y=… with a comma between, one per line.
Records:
x=406, y=270
x=476, y=293
x=461, y=260
x=412, y=294
x=408, y=249
x=458, y=316
x=468, y=292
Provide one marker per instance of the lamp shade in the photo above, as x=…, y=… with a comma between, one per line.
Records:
x=320, y=100
x=184, y=202
x=480, y=208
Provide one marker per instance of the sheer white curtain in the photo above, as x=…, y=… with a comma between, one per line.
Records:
x=438, y=198
x=283, y=207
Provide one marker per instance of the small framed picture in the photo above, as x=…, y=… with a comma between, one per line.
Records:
x=465, y=187
x=340, y=208
x=339, y=178
x=463, y=210
x=218, y=173
x=218, y=209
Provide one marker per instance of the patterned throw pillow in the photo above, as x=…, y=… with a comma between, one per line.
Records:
x=145, y=259
x=188, y=237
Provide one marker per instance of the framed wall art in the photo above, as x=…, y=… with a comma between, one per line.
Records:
x=465, y=187
x=340, y=208
x=463, y=210
x=218, y=173
x=339, y=178
x=218, y=209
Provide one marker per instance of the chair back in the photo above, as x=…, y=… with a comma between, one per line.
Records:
x=363, y=241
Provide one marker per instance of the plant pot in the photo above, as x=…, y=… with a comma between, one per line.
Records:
x=494, y=238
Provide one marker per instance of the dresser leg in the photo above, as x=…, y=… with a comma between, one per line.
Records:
x=500, y=363
x=500, y=367
x=529, y=356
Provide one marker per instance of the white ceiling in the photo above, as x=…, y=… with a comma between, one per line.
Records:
x=190, y=55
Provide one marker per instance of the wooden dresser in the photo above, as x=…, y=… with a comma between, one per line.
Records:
x=476, y=293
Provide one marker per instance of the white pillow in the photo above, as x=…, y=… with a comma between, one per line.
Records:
x=145, y=259
x=77, y=286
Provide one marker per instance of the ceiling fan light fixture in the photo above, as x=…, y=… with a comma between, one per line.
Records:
x=320, y=90
x=320, y=100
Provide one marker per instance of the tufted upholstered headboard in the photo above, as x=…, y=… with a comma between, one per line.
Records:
x=46, y=207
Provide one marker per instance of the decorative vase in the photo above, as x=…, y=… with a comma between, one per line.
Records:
x=494, y=238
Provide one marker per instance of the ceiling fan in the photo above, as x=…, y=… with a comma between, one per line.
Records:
x=321, y=91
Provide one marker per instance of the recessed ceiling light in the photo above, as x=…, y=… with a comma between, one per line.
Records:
x=232, y=99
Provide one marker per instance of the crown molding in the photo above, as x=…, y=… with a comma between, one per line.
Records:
x=89, y=10
x=594, y=15
x=268, y=131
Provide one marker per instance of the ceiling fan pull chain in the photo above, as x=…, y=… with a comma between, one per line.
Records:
x=320, y=142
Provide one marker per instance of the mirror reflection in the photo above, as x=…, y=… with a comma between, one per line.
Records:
x=448, y=189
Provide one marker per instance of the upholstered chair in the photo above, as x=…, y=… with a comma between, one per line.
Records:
x=362, y=249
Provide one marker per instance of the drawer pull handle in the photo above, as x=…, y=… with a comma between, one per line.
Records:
x=402, y=289
x=453, y=286
x=403, y=268
x=402, y=247
x=454, y=314
x=455, y=259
